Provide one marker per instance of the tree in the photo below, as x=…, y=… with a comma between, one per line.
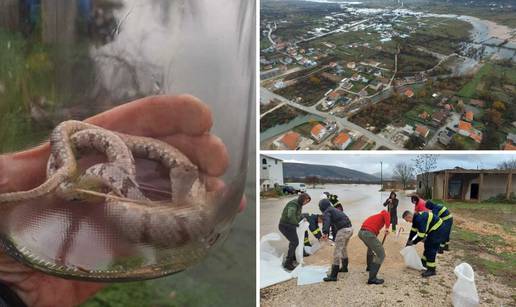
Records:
x=313, y=180
x=423, y=165
x=403, y=172
x=494, y=117
x=499, y=105
x=506, y=165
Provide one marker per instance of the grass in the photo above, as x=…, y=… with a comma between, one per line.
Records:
x=470, y=88
x=483, y=250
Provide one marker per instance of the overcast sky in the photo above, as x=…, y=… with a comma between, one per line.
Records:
x=370, y=163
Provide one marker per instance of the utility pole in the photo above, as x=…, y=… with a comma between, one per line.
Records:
x=381, y=175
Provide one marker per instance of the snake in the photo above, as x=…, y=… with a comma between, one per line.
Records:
x=174, y=222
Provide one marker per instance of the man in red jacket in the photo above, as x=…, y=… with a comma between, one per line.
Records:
x=419, y=204
x=375, y=253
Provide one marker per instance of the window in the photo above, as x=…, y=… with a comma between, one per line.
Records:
x=420, y=184
x=276, y=162
x=264, y=161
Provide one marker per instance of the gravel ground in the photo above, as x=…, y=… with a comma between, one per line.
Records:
x=402, y=287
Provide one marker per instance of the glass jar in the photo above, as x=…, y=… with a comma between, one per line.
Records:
x=63, y=60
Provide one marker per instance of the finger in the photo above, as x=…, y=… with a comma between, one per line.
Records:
x=157, y=116
x=217, y=185
x=206, y=151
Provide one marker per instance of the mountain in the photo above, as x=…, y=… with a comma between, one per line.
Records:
x=300, y=170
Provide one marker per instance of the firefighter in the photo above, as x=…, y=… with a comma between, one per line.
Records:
x=419, y=203
x=341, y=223
x=334, y=200
x=289, y=221
x=428, y=226
x=444, y=214
x=313, y=227
x=375, y=252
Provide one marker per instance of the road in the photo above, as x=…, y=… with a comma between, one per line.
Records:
x=343, y=122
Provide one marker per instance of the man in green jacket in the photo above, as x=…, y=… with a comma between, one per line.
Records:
x=289, y=221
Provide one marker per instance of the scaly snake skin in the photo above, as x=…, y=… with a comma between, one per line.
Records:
x=137, y=218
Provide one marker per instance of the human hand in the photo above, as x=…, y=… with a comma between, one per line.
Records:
x=182, y=121
x=324, y=237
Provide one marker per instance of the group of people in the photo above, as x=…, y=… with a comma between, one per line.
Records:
x=431, y=223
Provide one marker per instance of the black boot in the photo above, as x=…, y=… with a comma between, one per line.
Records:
x=429, y=272
x=440, y=250
x=374, y=268
x=423, y=262
x=305, y=254
x=333, y=274
x=344, y=267
x=446, y=247
x=369, y=261
x=289, y=264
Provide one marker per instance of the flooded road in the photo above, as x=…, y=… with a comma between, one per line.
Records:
x=359, y=202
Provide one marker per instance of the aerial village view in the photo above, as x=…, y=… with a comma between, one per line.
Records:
x=388, y=75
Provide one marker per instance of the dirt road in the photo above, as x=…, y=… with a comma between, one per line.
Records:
x=403, y=287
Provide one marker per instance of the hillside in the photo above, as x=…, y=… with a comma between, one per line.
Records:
x=300, y=170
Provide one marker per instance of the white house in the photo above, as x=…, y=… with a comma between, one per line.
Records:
x=271, y=172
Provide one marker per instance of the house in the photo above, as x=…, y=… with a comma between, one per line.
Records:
x=424, y=115
x=409, y=93
x=351, y=65
x=467, y=130
x=510, y=143
x=466, y=184
x=469, y=116
x=289, y=140
x=318, y=132
x=477, y=103
x=422, y=130
x=271, y=172
x=439, y=117
x=342, y=140
x=334, y=95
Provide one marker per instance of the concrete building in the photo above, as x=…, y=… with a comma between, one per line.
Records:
x=466, y=184
x=271, y=172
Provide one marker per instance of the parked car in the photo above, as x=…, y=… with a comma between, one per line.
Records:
x=289, y=190
x=299, y=187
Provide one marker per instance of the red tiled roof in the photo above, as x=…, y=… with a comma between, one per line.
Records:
x=509, y=146
x=409, y=93
x=317, y=129
x=464, y=125
x=422, y=130
x=469, y=116
x=291, y=140
x=341, y=138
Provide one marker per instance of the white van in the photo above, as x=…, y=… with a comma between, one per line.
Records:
x=298, y=186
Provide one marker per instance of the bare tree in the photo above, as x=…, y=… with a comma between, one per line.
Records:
x=509, y=164
x=403, y=172
x=423, y=165
x=313, y=180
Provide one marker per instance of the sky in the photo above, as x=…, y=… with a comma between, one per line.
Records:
x=370, y=163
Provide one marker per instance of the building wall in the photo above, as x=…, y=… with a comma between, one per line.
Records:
x=271, y=170
x=494, y=185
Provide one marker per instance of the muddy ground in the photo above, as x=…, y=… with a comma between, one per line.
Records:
x=402, y=287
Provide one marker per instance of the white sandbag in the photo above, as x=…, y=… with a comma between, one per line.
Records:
x=464, y=291
x=411, y=258
x=271, y=264
x=303, y=226
x=310, y=250
x=310, y=275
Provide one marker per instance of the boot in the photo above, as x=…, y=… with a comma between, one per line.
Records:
x=289, y=264
x=423, y=262
x=369, y=261
x=344, y=268
x=333, y=274
x=429, y=272
x=374, y=268
x=446, y=247
x=440, y=250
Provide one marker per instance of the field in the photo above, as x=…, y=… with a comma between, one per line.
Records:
x=311, y=90
x=279, y=116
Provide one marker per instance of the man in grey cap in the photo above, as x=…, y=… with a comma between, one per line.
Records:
x=290, y=218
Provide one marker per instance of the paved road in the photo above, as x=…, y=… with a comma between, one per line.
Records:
x=343, y=122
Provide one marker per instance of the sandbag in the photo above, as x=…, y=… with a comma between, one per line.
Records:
x=310, y=250
x=303, y=226
x=464, y=291
x=411, y=258
x=271, y=268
